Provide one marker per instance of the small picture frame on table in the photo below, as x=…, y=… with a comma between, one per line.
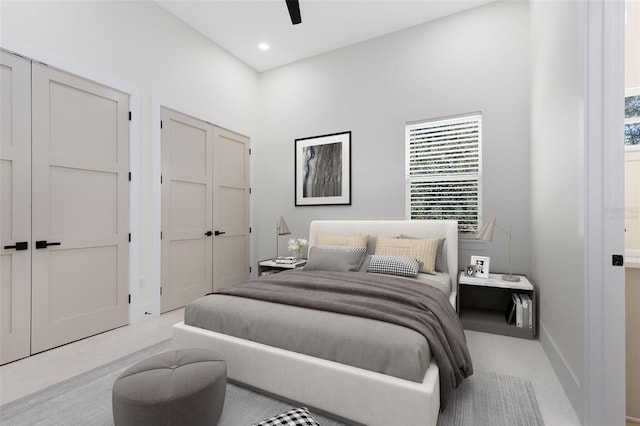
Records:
x=482, y=266
x=470, y=271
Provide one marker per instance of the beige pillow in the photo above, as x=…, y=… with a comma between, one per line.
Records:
x=342, y=240
x=424, y=250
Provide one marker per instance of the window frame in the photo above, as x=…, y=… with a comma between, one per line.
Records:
x=443, y=177
x=632, y=120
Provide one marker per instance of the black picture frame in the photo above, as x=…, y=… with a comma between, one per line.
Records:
x=323, y=170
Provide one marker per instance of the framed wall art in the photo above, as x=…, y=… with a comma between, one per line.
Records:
x=323, y=170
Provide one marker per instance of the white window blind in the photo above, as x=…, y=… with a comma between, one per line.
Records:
x=443, y=170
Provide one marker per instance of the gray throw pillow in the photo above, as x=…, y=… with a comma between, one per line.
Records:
x=365, y=263
x=441, y=257
x=334, y=259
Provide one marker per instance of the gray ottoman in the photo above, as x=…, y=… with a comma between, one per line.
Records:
x=183, y=387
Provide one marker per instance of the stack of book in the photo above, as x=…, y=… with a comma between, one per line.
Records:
x=288, y=260
x=520, y=310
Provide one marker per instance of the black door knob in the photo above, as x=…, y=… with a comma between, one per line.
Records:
x=23, y=245
x=44, y=244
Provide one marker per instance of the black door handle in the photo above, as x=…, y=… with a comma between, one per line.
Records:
x=220, y=233
x=208, y=233
x=23, y=245
x=44, y=244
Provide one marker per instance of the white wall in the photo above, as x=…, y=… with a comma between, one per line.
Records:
x=473, y=61
x=577, y=199
x=632, y=45
x=557, y=190
x=632, y=219
x=632, y=343
x=139, y=48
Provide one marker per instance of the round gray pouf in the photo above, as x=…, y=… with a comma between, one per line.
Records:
x=183, y=387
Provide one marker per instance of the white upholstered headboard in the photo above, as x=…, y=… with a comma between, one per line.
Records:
x=447, y=229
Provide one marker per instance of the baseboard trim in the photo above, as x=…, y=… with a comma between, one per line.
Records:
x=567, y=377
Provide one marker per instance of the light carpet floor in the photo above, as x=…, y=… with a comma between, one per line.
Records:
x=484, y=399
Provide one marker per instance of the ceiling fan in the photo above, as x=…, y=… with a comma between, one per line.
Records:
x=294, y=11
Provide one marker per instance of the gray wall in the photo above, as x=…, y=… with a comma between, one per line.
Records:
x=557, y=187
x=473, y=61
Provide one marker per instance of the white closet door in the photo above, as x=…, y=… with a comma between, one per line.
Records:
x=187, y=180
x=231, y=208
x=80, y=208
x=15, y=207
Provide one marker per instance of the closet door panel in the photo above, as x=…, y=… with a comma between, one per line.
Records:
x=15, y=207
x=231, y=208
x=186, y=209
x=80, y=208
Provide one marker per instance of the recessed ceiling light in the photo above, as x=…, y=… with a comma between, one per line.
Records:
x=263, y=46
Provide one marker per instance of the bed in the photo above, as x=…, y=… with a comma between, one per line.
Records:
x=338, y=386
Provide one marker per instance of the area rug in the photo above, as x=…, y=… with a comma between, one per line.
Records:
x=492, y=399
x=483, y=399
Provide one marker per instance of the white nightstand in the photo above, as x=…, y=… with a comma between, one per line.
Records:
x=483, y=302
x=270, y=266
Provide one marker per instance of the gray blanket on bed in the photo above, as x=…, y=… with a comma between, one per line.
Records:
x=417, y=306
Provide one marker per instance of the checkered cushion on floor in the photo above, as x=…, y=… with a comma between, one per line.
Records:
x=294, y=417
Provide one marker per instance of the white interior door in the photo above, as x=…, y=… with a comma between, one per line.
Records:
x=80, y=165
x=15, y=208
x=231, y=208
x=187, y=182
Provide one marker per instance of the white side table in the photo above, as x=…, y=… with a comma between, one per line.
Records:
x=270, y=266
x=483, y=302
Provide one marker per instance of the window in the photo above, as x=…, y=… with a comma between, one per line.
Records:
x=443, y=170
x=632, y=117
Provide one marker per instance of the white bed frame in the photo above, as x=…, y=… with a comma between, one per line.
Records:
x=352, y=393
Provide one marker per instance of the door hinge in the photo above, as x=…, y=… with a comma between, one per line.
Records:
x=129, y=115
x=129, y=176
x=249, y=229
x=249, y=151
x=160, y=234
x=249, y=190
x=249, y=269
x=160, y=290
x=129, y=298
x=161, y=124
x=129, y=236
x=160, y=178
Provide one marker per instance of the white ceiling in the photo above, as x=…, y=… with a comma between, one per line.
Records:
x=238, y=26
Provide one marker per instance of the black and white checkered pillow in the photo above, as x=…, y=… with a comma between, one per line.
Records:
x=394, y=265
x=293, y=417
